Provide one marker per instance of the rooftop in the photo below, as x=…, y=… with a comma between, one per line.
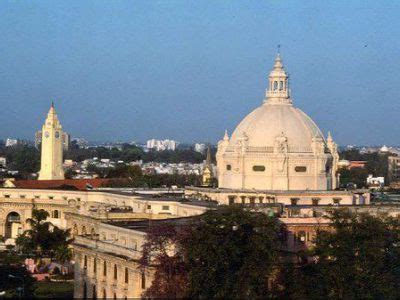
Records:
x=145, y=225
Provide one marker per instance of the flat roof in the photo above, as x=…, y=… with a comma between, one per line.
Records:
x=145, y=225
x=276, y=192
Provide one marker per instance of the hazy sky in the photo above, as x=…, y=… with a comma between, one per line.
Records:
x=133, y=70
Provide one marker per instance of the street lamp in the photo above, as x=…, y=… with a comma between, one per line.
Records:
x=20, y=290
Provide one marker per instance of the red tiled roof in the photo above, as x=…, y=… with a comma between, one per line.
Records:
x=71, y=184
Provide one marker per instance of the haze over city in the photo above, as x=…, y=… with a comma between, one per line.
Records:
x=186, y=70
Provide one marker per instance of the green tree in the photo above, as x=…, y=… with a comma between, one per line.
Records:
x=43, y=238
x=359, y=258
x=226, y=253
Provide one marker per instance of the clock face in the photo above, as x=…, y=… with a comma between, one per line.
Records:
x=46, y=134
x=57, y=134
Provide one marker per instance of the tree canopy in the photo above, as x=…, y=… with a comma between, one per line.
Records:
x=227, y=252
x=359, y=258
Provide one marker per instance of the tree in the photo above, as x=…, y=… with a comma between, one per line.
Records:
x=359, y=258
x=43, y=238
x=228, y=252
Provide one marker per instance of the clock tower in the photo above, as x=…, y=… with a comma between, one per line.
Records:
x=51, y=166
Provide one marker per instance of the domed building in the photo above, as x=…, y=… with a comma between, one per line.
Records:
x=277, y=146
x=278, y=157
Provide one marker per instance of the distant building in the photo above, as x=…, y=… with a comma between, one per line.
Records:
x=66, y=139
x=375, y=182
x=200, y=147
x=3, y=162
x=81, y=142
x=51, y=164
x=208, y=174
x=393, y=168
x=357, y=164
x=11, y=142
x=161, y=145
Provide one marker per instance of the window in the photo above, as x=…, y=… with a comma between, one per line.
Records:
x=126, y=275
x=261, y=199
x=6, y=196
x=243, y=199
x=105, y=269
x=149, y=206
x=56, y=214
x=258, y=168
x=280, y=85
x=293, y=201
x=143, y=281
x=94, y=265
x=85, y=262
x=300, y=169
x=231, y=200
x=51, y=197
x=315, y=201
x=327, y=169
x=228, y=167
x=22, y=196
x=165, y=207
x=65, y=198
x=115, y=272
x=275, y=85
x=36, y=196
x=104, y=294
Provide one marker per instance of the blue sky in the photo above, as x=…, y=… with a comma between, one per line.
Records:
x=132, y=70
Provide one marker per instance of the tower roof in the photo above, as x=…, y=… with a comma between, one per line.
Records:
x=52, y=119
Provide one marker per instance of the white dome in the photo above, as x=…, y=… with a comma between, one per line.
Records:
x=277, y=146
x=268, y=121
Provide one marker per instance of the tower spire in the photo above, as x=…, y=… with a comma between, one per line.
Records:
x=208, y=158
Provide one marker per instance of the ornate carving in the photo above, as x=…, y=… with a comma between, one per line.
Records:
x=281, y=143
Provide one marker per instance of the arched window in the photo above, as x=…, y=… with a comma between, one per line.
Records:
x=115, y=272
x=83, y=230
x=143, y=280
x=56, y=214
x=93, y=233
x=275, y=85
x=94, y=265
x=84, y=290
x=280, y=85
x=85, y=262
x=105, y=269
x=104, y=294
x=94, y=295
x=126, y=275
x=75, y=230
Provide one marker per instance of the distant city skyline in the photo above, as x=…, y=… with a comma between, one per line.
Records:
x=166, y=69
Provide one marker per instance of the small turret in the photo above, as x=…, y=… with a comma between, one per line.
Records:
x=278, y=87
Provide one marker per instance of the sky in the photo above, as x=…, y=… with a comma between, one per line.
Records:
x=188, y=70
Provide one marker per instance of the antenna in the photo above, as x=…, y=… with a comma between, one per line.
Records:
x=279, y=49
